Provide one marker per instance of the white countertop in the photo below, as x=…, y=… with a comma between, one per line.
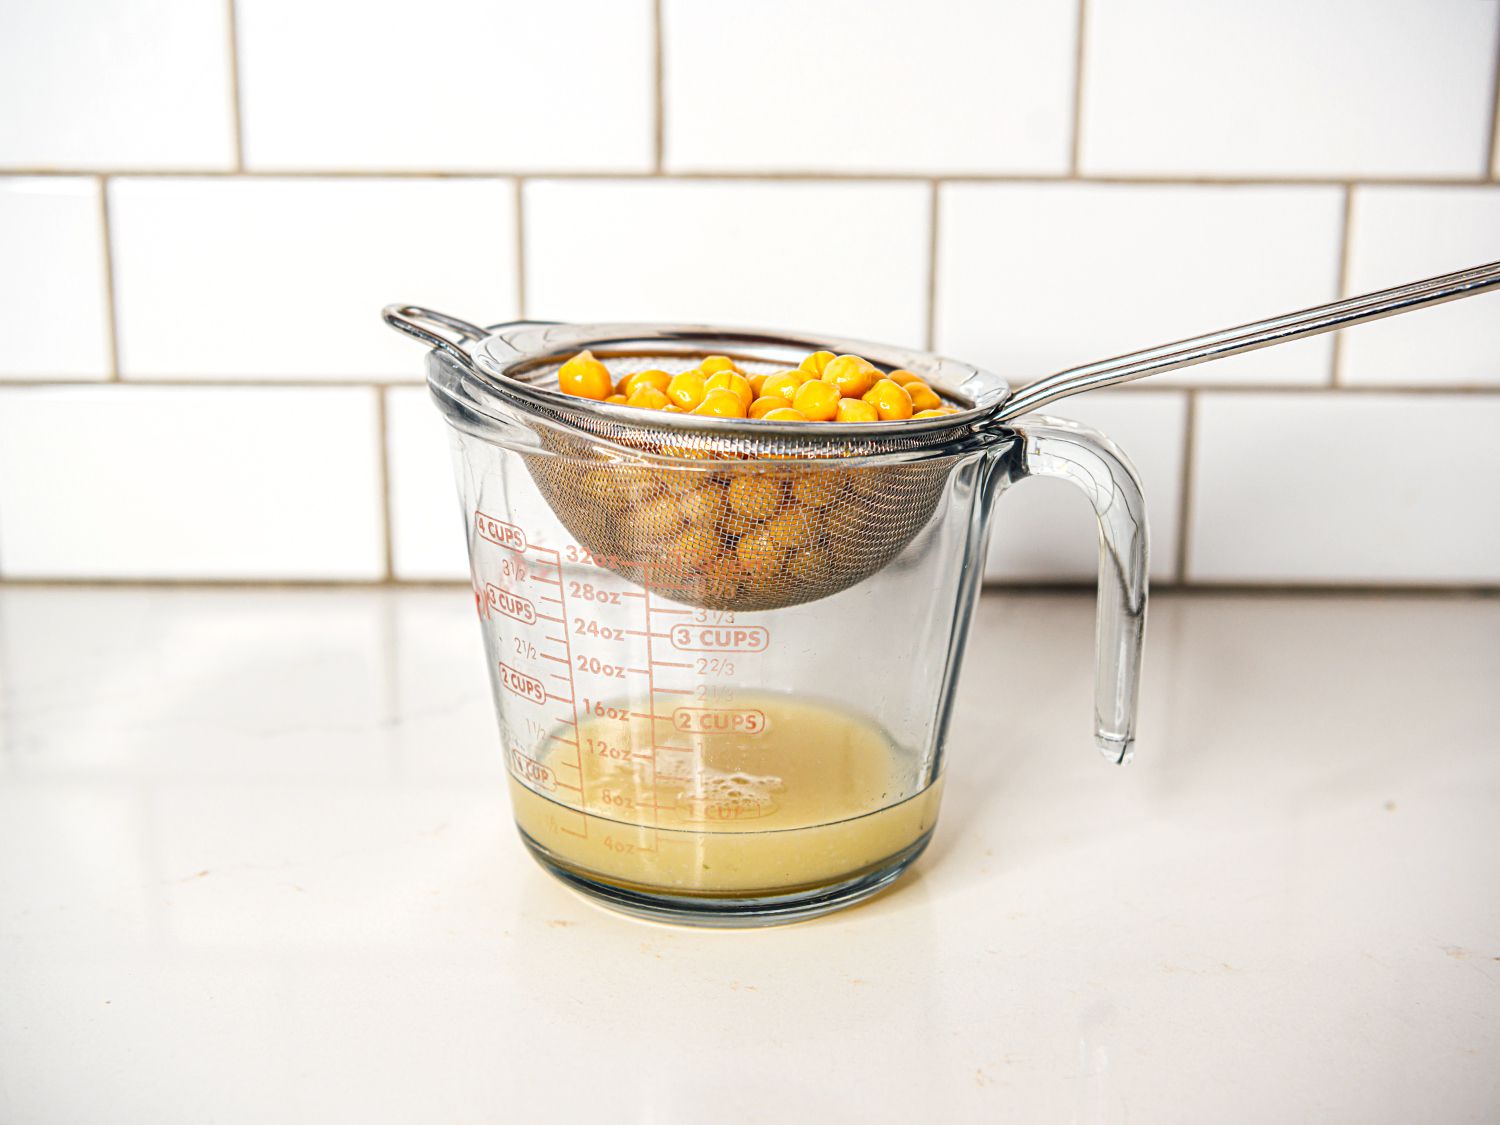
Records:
x=256, y=864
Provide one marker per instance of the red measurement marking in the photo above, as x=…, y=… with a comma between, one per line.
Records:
x=719, y=720
x=499, y=532
x=531, y=770
x=519, y=683
x=511, y=604
x=720, y=638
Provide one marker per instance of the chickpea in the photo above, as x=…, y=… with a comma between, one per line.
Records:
x=758, y=555
x=856, y=410
x=650, y=378
x=785, y=414
x=852, y=375
x=763, y=406
x=756, y=383
x=923, y=397
x=647, y=397
x=586, y=377
x=755, y=495
x=903, y=376
x=783, y=386
x=713, y=364
x=817, y=489
x=939, y=412
x=619, y=399
x=890, y=399
x=686, y=390
x=819, y=401
x=720, y=404
x=731, y=381
x=816, y=362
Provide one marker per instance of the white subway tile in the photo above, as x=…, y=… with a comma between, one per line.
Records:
x=845, y=258
x=53, y=299
x=189, y=482
x=1326, y=488
x=1045, y=531
x=1033, y=278
x=947, y=85
x=105, y=84
x=1401, y=234
x=427, y=524
x=274, y=279
x=449, y=84
x=1342, y=88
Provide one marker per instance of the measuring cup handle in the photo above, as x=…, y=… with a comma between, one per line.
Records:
x=1052, y=447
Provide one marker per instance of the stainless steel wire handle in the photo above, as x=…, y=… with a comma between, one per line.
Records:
x=1249, y=337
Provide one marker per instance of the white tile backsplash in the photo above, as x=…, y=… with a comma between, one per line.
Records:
x=54, y=320
x=1325, y=488
x=840, y=258
x=1045, y=530
x=189, y=482
x=115, y=85
x=1404, y=233
x=285, y=278
x=878, y=169
x=427, y=525
x=1033, y=278
x=477, y=85
x=849, y=85
x=1338, y=88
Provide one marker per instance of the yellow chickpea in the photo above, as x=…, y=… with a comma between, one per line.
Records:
x=586, y=377
x=756, y=383
x=652, y=378
x=713, y=364
x=647, y=397
x=755, y=495
x=698, y=544
x=903, y=376
x=793, y=528
x=783, y=386
x=730, y=381
x=816, y=362
x=923, y=397
x=856, y=410
x=672, y=408
x=763, y=406
x=720, y=404
x=785, y=414
x=818, y=401
x=891, y=400
x=758, y=554
x=621, y=399
x=817, y=489
x=940, y=412
x=686, y=390
x=852, y=375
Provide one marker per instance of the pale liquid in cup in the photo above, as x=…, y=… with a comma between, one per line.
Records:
x=812, y=798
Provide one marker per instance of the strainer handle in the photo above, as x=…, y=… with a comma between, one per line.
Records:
x=415, y=321
x=1052, y=447
x=1249, y=337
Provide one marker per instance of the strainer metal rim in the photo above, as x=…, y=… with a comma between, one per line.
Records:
x=510, y=349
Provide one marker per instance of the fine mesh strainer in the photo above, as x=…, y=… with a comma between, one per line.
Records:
x=755, y=515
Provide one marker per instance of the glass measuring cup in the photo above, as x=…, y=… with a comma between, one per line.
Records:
x=693, y=741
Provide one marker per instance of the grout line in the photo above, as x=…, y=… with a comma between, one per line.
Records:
x=750, y=175
x=1155, y=386
x=1078, y=53
x=1189, y=487
x=1083, y=587
x=111, y=329
x=658, y=139
x=383, y=450
x=1492, y=154
x=1341, y=284
x=234, y=86
x=932, y=266
x=520, y=236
